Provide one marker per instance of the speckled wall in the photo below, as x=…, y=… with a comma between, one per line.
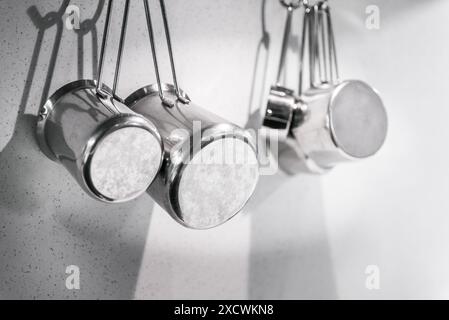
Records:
x=300, y=236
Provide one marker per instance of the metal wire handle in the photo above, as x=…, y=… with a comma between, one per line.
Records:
x=322, y=49
x=332, y=42
x=180, y=97
x=304, y=36
x=285, y=39
x=99, y=88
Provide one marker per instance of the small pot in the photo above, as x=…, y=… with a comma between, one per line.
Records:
x=112, y=152
x=210, y=167
x=345, y=122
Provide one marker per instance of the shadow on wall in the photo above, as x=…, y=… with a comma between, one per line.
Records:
x=290, y=256
x=46, y=221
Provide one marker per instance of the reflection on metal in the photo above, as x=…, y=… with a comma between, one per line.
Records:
x=113, y=152
x=339, y=121
x=282, y=102
x=210, y=167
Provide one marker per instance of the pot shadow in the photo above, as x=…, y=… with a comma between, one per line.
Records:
x=47, y=222
x=290, y=256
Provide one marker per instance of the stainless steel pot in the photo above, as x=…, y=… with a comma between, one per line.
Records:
x=210, y=166
x=332, y=121
x=282, y=102
x=345, y=122
x=347, y=119
x=112, y=152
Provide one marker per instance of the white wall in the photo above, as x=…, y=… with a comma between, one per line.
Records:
x=301, y=236
x=392, y=211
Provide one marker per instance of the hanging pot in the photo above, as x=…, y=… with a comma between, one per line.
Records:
x=210, y=166
x=347, y=119
x=282, y=102
x=113, y=152
x=339, y=121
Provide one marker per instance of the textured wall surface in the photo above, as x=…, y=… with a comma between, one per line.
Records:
x=300, y=236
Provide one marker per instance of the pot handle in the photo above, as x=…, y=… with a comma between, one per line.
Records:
x=100, y=90
x=180, y=97
x=323, y=62
x=286, y=37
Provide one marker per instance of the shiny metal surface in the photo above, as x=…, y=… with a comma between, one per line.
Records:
x=339, y=121
x=282, y=102
x=113, y=152
x=76, y=123
x=346, y=122
x=192, y=186
x=282, y=105
x=357, y=119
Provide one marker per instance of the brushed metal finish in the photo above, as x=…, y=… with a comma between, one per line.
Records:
x=346, y=122
x=282, y=101
x=75, y=122
x=279, y=111
x=197, y=194
x=332, y=121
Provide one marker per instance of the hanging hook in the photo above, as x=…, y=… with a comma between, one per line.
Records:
x=179, y=95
